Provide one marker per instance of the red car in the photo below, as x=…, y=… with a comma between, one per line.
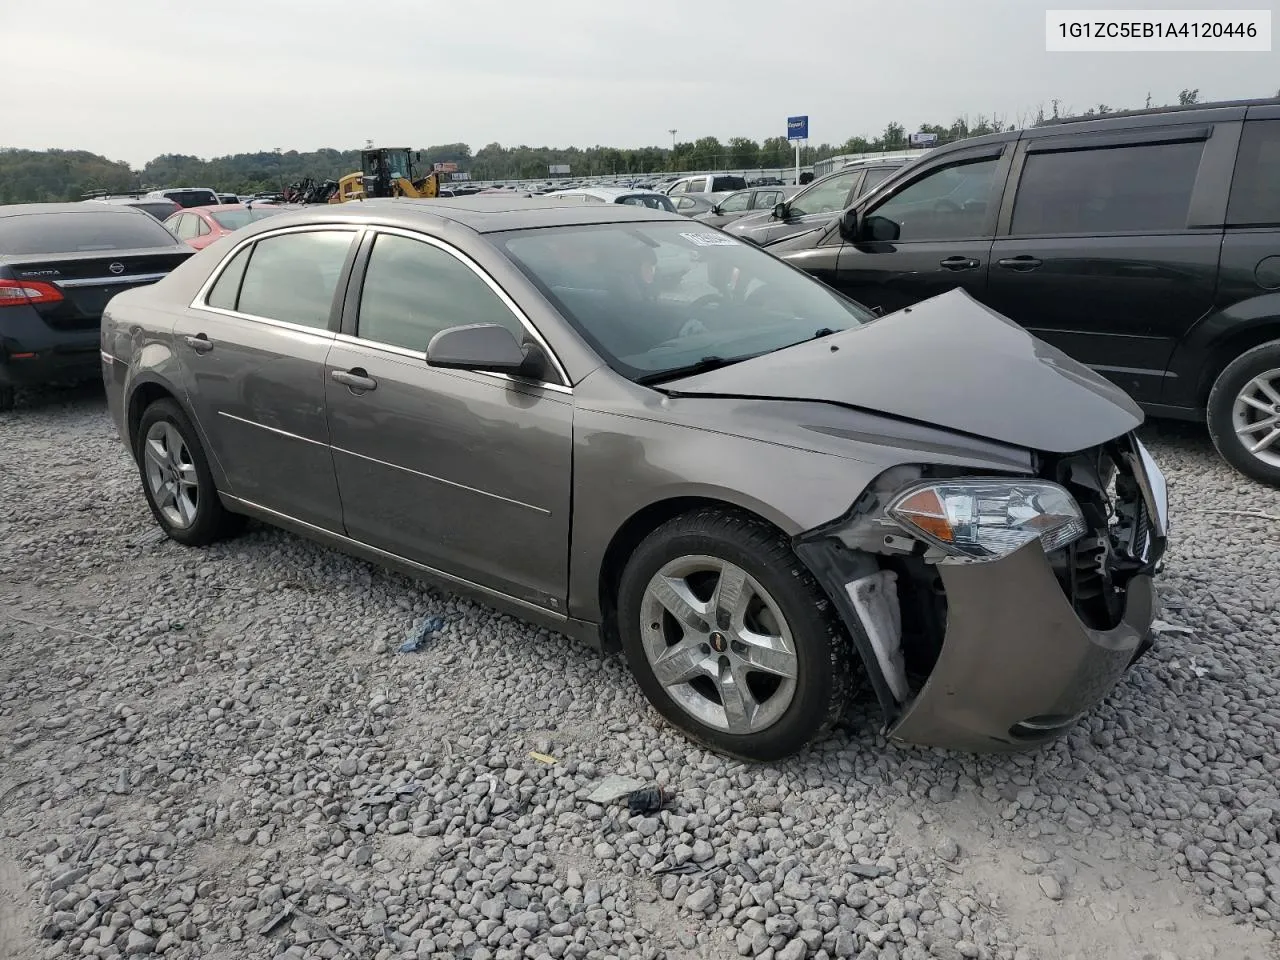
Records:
x=200, y=226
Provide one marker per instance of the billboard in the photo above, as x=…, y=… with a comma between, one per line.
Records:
x=923, y=139
x=445, y=167
x=798, y=128
x=460, y=175
x=559, y=169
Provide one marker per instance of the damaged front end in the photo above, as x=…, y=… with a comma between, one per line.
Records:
x=993, y=611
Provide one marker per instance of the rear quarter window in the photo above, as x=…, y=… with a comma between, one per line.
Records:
x=38, y=233
x=1255, y=189
x=719, y=184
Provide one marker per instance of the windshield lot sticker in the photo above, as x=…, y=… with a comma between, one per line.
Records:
x=710, y=239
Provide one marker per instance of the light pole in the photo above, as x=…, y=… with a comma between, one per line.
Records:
x=673, y=146
x=279, y=167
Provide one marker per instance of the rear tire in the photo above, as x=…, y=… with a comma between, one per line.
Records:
x=176, y=478
x=1237, y=414
x=747, y=614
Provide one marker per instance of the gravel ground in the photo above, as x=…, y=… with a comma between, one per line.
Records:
x=218, y=753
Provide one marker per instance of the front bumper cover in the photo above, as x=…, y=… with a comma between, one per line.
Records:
x=1017, y=665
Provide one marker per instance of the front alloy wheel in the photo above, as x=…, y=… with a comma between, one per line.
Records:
x=719, y=644
x=731, y=638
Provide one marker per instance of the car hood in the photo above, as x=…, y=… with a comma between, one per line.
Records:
x=947, y=361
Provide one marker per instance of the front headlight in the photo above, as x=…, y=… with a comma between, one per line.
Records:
x=989, y=519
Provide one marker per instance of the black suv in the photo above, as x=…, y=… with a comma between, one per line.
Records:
x=817, y=203
x=1146, y=245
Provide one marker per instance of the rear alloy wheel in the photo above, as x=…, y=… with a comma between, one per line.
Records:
x=731, y=638
x=1244, y=413
x=176, y=478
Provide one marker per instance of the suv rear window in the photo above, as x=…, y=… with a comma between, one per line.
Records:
x=82, y=232
x=193, y=198
x=1255, y=189
x=728, y=183
x=1139, y=188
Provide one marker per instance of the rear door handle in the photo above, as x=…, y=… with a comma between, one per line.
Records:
x=1022, y=263
x=199, y=343
x=960, y=263
x=356, y=378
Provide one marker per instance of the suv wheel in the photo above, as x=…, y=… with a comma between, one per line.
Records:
x=176, y=478
x=731, y=638
x=1244, y=413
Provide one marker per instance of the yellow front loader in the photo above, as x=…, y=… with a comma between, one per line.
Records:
x=386, y=172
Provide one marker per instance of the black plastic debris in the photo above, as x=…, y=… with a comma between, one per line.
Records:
x=421, y=634
x=646, y=801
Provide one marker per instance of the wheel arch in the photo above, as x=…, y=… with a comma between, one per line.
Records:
x=145, y=390
x=1223, y=336
x=633, y=531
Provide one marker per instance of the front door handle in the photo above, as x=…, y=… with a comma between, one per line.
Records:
x=960, y=263
x=199, y=343
x=356, y=378
x=1023, y=263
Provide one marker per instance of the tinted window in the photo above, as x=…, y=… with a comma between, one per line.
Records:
x=728, y=183
x=292, y=277
x=193, y=198
x=947, y=204
x=227, y=287
x=825, y=196
x=82, y=232
x=735, y=203
x=877, y=175
x=413, y=290
x=1142, y=187
x=1255, y=189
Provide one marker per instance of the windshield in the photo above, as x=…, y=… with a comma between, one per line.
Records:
x=235, y=219
x=655, y=299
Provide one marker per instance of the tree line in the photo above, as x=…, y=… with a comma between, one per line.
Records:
x=45, y=175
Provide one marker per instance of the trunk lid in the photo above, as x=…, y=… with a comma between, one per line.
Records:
x=87, y=281
x=947, y=361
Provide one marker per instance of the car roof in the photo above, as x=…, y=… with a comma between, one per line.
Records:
x=613, y=191
x=490, y=214
x=28, y=209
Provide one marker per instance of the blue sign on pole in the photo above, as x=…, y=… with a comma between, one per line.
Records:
x=797, y=128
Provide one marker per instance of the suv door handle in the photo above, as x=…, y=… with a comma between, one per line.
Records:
x=1023, y=263
x=356, y=378
x=199, y=343
x=960, y=263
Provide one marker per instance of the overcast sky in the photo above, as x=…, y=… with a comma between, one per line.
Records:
x=135, y=78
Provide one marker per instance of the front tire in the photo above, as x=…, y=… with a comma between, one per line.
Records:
x=731, y=638
x=176, y=478
x=1244, y=413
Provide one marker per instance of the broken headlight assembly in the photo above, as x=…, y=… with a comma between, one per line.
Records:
x=975, y=520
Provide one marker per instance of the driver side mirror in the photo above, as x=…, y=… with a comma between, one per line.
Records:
x=880, y=229
x=781, y=210
x=849, y=225
x=488, y=347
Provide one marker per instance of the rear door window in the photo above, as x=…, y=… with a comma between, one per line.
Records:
x=1255, y=189
x=188, y=226
x=697, y=186
x=86, y=232
x=1141, y=188
x=766, y=199
x=292, y=277
x=877, y=175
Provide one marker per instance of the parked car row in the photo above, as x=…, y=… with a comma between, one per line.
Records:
x=1145, y=245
